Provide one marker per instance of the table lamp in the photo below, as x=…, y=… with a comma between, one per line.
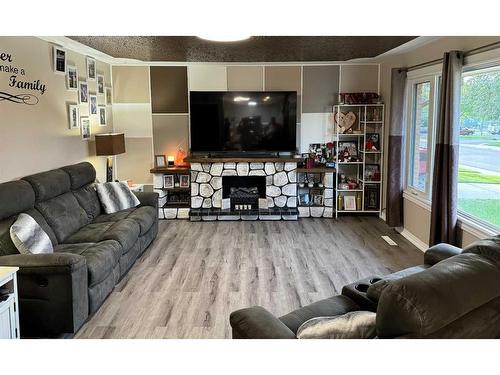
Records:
x=109, y=144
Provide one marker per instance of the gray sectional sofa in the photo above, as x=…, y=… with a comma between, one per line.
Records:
x=92, y=250
x=455, y=294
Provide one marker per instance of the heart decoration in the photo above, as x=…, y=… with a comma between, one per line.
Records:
x=345, y=121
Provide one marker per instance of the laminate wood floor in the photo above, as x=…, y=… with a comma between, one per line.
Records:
x=194, y=274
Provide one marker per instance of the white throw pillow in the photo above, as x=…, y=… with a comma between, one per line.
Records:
x=29, y=237
x=116, y=196
x=353, y=325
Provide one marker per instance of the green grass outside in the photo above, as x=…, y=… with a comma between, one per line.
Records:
x=485, y=209
x=469, y=175
x=493, y=143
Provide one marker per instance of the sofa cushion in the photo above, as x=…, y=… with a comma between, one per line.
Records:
x=144, y=216
x=352, y=325
x=89, y=233
x=29, y=237
x=117, y=216
x=49, y=184
x=80, y=174
x=116, y=196
x=101, y=258
x=15, y=197
x=7, y=247
x=336, y=305
x=35, y=214
x=125, y=232
x=488, y=248
x=88, y=199
x=64, y=215
x=425, y=302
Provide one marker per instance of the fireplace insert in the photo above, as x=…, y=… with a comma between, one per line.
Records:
x=244, y=191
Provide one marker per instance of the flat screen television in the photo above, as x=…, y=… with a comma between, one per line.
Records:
x=250, y=121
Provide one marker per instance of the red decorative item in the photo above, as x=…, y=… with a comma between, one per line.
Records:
x=310, y=163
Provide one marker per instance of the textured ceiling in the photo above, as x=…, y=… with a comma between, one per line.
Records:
x=255, y=49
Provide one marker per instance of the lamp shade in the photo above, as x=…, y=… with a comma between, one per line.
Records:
x=109, y=144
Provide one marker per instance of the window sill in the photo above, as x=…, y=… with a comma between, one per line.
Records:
x=417, y=199
x=464, y=222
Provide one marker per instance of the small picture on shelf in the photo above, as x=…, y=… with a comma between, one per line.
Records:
x=345, y=122
x=304, y=199
x=372, y=172
x=348, y=151
x=184, y=180
x=372, y=142
x=168, y=181
x=372, y=197
x=317, y=199
x=160, y=161
x=350, y=203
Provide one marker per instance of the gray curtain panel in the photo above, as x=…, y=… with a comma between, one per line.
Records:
x=445, y=176
x=396, y=156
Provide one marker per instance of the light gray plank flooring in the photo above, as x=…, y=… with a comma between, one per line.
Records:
x=194, y=274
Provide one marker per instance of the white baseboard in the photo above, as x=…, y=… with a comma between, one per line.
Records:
x=413, y=239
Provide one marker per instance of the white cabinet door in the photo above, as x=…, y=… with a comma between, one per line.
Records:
x=7, y=319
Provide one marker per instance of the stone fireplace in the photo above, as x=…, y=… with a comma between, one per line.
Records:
x=275, y=181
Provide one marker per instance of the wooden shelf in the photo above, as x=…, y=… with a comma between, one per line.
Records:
x=316, y=170
x=176, y=205
x=174, y=170
x=349, y=162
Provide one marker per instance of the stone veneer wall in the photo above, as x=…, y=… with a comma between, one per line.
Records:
x=206, y=182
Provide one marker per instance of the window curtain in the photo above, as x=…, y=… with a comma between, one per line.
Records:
x=396, y=156
x=445, y=176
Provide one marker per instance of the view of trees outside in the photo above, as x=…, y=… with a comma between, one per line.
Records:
x=479, y=163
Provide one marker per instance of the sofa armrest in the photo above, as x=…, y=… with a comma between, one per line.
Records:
x=53, y=292
x=148, y=198
x=258, y=323
x=439, y=252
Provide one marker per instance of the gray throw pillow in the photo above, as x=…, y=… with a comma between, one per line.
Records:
x=29, y=237
x=116, y=196
x=353, y=325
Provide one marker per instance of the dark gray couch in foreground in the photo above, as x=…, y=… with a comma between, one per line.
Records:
x=92, y=250
x=455, y=294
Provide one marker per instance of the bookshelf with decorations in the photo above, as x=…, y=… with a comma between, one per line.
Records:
x=358, y=135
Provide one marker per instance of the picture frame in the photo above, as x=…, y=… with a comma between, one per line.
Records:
x=372, y=173
x=168, y=181
x=102, y=115
x=85, y=128
x=351, y=146
x=372, y=142
x=372, y=197
x=83, y=92
x=59, y=56
x=184, y=181
x=318, y=199
x=93, y=104
x=109, y=95
x=304, y=199
x=73, y=116
x=160, y=161
x=91, y=68
x=71, y=78
x=100, y=84
x=350, y=203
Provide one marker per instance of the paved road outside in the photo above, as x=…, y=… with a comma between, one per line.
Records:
x=478, y=191
x=478, y=156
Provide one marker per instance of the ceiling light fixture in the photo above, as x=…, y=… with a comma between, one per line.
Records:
x=224, y=38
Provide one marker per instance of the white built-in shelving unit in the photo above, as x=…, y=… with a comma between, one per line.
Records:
x=369, y=119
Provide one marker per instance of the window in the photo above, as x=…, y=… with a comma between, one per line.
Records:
x=479, y=158
x=420, y=135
